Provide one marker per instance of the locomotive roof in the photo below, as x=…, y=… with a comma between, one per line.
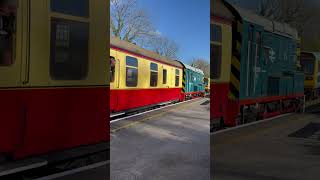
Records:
x=269, y=25
x=193, y=68
x=127, y=46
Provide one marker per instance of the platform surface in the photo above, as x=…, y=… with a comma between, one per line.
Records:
x=286, y=148
x=169, y=144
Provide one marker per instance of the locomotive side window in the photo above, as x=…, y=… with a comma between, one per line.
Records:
x=131, y=72
x=215, y=55
x=69, y=49
x=71, y=7
x=164, y=76
x=153, y=75
x=177, y=81
x=7, y=31
x=112, y=68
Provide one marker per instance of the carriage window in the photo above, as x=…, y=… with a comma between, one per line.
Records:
x=131, y=72
x=153, y=75
x=177, y=82
x=216, y=33
x=215, y=55
x=71, y=7
x=69, y=49
x=112, y=68
x=164, y=76
x=7, y=31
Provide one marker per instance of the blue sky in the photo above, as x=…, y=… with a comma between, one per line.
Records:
x=187, y=22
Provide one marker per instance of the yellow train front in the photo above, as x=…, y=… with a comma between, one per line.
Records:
x=141, y=78
x=310, y=62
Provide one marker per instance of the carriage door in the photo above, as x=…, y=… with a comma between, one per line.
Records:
x=11, y=28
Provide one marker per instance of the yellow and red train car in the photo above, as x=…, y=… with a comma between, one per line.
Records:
x=141, y=78
x=220, y=55
x=53, y=77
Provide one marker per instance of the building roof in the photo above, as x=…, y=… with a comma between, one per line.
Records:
x=136, y=50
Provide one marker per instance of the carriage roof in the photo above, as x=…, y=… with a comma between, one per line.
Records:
x=127, y=46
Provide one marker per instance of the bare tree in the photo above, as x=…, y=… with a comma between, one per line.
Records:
x=128, y=22
x=293, y=12
x=164, y=46
x=202, y=64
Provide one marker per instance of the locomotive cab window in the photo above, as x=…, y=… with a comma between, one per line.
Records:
x=112, y=68
x=8, y=10
x=177, y=81
x=131, y=71
x=164, y=76
x=153, y=75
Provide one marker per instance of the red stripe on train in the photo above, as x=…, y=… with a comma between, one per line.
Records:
x=122, y=100
x=37, y=121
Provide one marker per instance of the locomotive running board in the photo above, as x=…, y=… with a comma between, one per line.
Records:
x=20, y=166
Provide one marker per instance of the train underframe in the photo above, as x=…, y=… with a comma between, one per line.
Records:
x=193, y=95
x=246, y=111
x=312, y=93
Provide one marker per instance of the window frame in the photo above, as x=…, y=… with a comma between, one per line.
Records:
x=216, y=74
x=152, y=71
x=177, y=77
x=11, y=45
x=112, y=73
x=132, y=67
x=216, y=29
x=68, y=11
x=164, y=76
x=54, y=49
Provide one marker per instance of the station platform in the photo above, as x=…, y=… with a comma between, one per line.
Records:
x=285, y=148
x=171, y=143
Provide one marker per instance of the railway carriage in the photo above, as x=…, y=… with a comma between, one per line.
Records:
x=310, y=62
x=254, y=65
x=193, y=82
x=141, y=78
x=53, y=79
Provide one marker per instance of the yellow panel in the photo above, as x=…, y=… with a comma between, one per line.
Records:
x=226, y=52
x=98, y=67
x=143, y=73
